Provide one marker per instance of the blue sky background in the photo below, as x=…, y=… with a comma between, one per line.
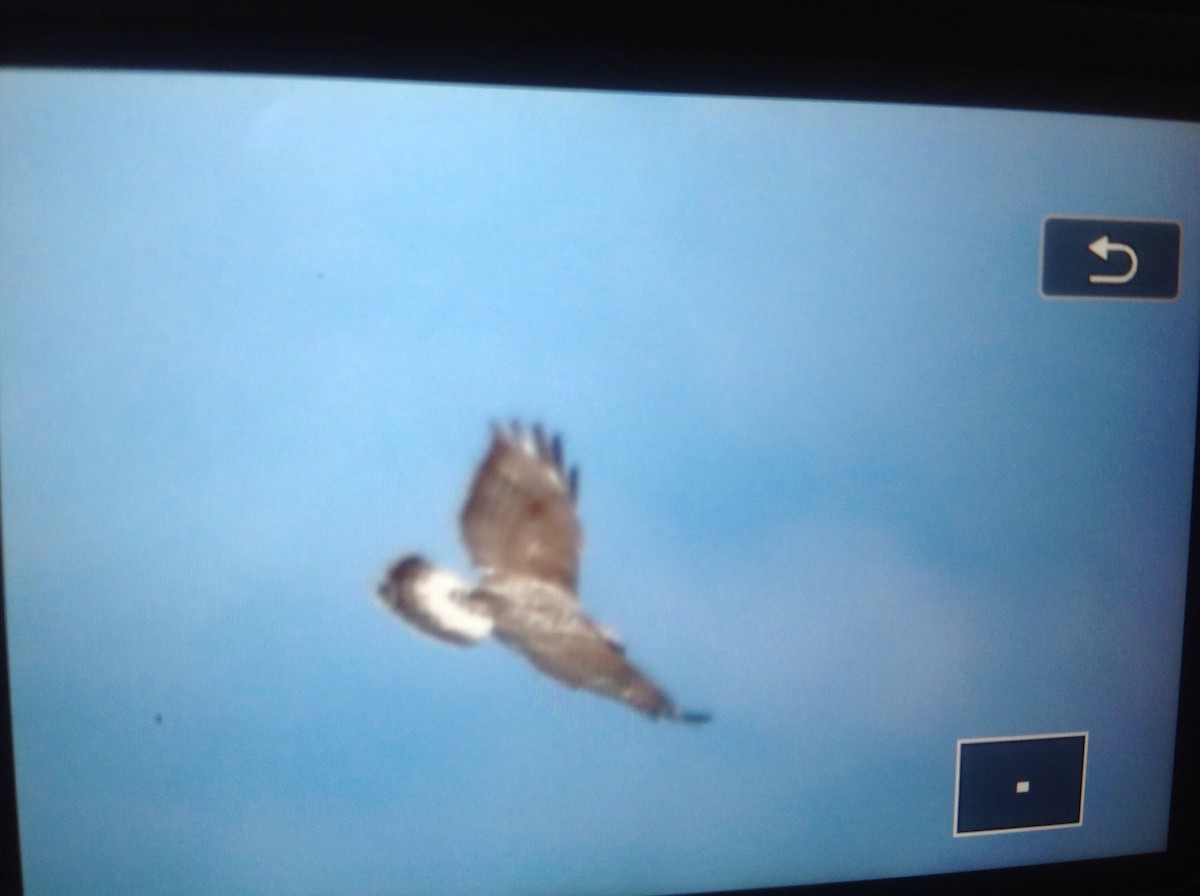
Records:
x=848, y=482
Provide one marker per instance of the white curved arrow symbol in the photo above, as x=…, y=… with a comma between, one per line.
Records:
x=1102, y=247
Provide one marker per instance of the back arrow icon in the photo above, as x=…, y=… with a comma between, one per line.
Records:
x=1101, y=248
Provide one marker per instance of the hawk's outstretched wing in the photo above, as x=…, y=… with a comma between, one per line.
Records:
x=576, y=651
x=519, y=517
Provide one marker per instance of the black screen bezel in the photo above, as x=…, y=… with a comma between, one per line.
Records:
x=1108, y=58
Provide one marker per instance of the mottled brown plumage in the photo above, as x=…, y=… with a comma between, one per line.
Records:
x=520, y=513
x=521, y=529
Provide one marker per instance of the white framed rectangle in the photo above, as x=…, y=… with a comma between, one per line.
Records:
x=1088, y=297
x=1008, y=738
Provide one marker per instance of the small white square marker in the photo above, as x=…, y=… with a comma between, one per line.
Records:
x=1022, y=787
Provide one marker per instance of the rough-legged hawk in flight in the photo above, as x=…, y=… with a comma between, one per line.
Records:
x=521, y=530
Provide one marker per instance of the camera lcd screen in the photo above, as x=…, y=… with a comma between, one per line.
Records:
x=792, y=491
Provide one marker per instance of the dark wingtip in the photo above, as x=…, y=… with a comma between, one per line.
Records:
x=666, y=709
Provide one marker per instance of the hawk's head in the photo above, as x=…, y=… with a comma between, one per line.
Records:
x=400, y=579
x=434, y=600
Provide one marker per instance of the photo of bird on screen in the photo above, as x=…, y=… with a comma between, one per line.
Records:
x=522, y=532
